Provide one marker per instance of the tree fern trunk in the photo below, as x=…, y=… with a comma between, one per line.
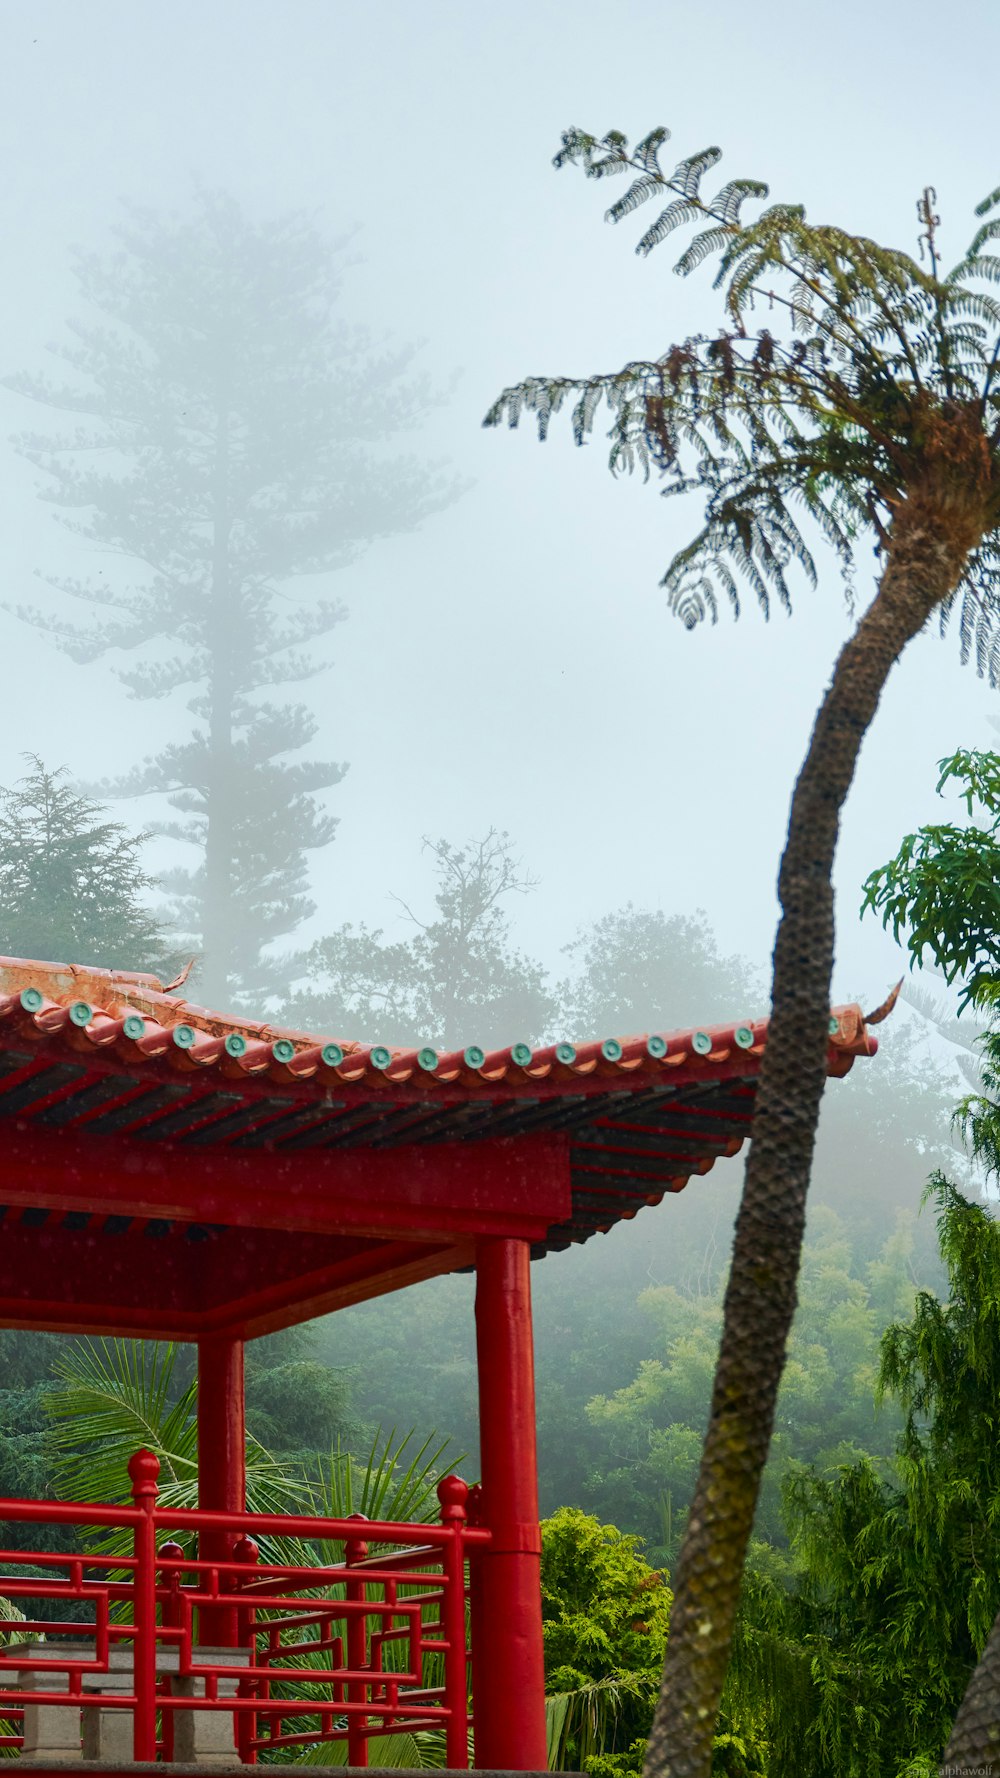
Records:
x=974, y=1745
x=924, y=563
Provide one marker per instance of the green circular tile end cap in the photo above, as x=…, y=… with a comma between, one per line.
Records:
x=332, y=1054
x=380, y=1057
x=521, y=1054
x=565, y=1053
x=743, y=1037
x=701, y=1043
x=235, y=1044
x=32, y=999
x=474, y=1057
x=427, y=1060
x=134, y=1026
x=283, y=1049
x=656, y=1047
x=611, y=1049
x=81, y=1013
x=834, y=1027
x=184, y=1037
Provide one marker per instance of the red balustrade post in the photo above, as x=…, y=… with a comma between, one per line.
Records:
x=245, y=1550
x=172, y=1617
x=507, y=1655
x=453, y=1494
x=357, y=1654
x=222, y=1485
x=143, y=1470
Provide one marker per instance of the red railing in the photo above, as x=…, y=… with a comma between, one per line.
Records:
x=238, y=1651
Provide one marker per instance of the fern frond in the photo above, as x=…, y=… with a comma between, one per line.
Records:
x=647, y=152
x=709, y=241
x=675, y=215
x=615, y=160
x=638, y=193
x=692, y=600
x=990, y=231
x=989, y=203
x=728, y=202
x=689, y=173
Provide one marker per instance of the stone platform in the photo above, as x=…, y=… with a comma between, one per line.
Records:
x=174, y=1769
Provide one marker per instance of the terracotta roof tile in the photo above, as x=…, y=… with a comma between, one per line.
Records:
x=111, y=1054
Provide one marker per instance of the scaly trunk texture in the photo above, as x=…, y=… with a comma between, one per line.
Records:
x=974, y=1745
x=926, y=556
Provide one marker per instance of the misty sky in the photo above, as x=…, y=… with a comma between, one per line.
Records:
x=513, y=663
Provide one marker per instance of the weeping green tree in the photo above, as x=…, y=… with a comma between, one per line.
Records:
x=865, y=409
x=940, y=891
x=898, y=1575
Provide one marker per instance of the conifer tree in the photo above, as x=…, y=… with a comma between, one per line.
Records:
x=855, y=388
x=232, y=435
x=71, y=881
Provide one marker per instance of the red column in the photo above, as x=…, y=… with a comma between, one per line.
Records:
x=508, y=1665
x=222, y=1482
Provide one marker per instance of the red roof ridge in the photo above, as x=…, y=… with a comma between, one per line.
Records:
x=100, y=1001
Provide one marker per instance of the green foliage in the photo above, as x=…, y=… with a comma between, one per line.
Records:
x=71, y=881
x=297, y=1407
x=885, y=364
x=112, y=1397
x=942, y=889
x=426, y=1750
x=859, y=1665
x=604, y=1617
x=605, y=1614
x=652, y=1428
x=398, y=1480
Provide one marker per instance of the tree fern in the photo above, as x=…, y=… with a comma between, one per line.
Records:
x=877, y=341
x=847, y=392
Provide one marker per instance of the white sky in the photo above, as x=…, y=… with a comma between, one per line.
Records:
x=513, y=663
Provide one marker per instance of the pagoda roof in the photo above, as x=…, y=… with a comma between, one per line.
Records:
x=127, y=1110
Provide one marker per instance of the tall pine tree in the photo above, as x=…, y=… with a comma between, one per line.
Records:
x=234, y=436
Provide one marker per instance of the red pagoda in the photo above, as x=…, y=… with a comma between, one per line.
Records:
x=167, y=1172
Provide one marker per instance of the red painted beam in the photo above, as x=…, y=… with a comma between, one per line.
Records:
x=300, y=1295
x=515, y=1185
x=393, y=1266
x=130, y=1269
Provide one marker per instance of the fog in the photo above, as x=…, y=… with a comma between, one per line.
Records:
x=510, y=661
x=398, y=670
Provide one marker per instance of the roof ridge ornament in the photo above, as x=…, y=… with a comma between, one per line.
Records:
x=883, y=1011
x=179, y=980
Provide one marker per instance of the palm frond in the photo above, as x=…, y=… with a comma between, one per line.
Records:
x=113, y=1397
x=425, y=1750
x=582, y=1722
